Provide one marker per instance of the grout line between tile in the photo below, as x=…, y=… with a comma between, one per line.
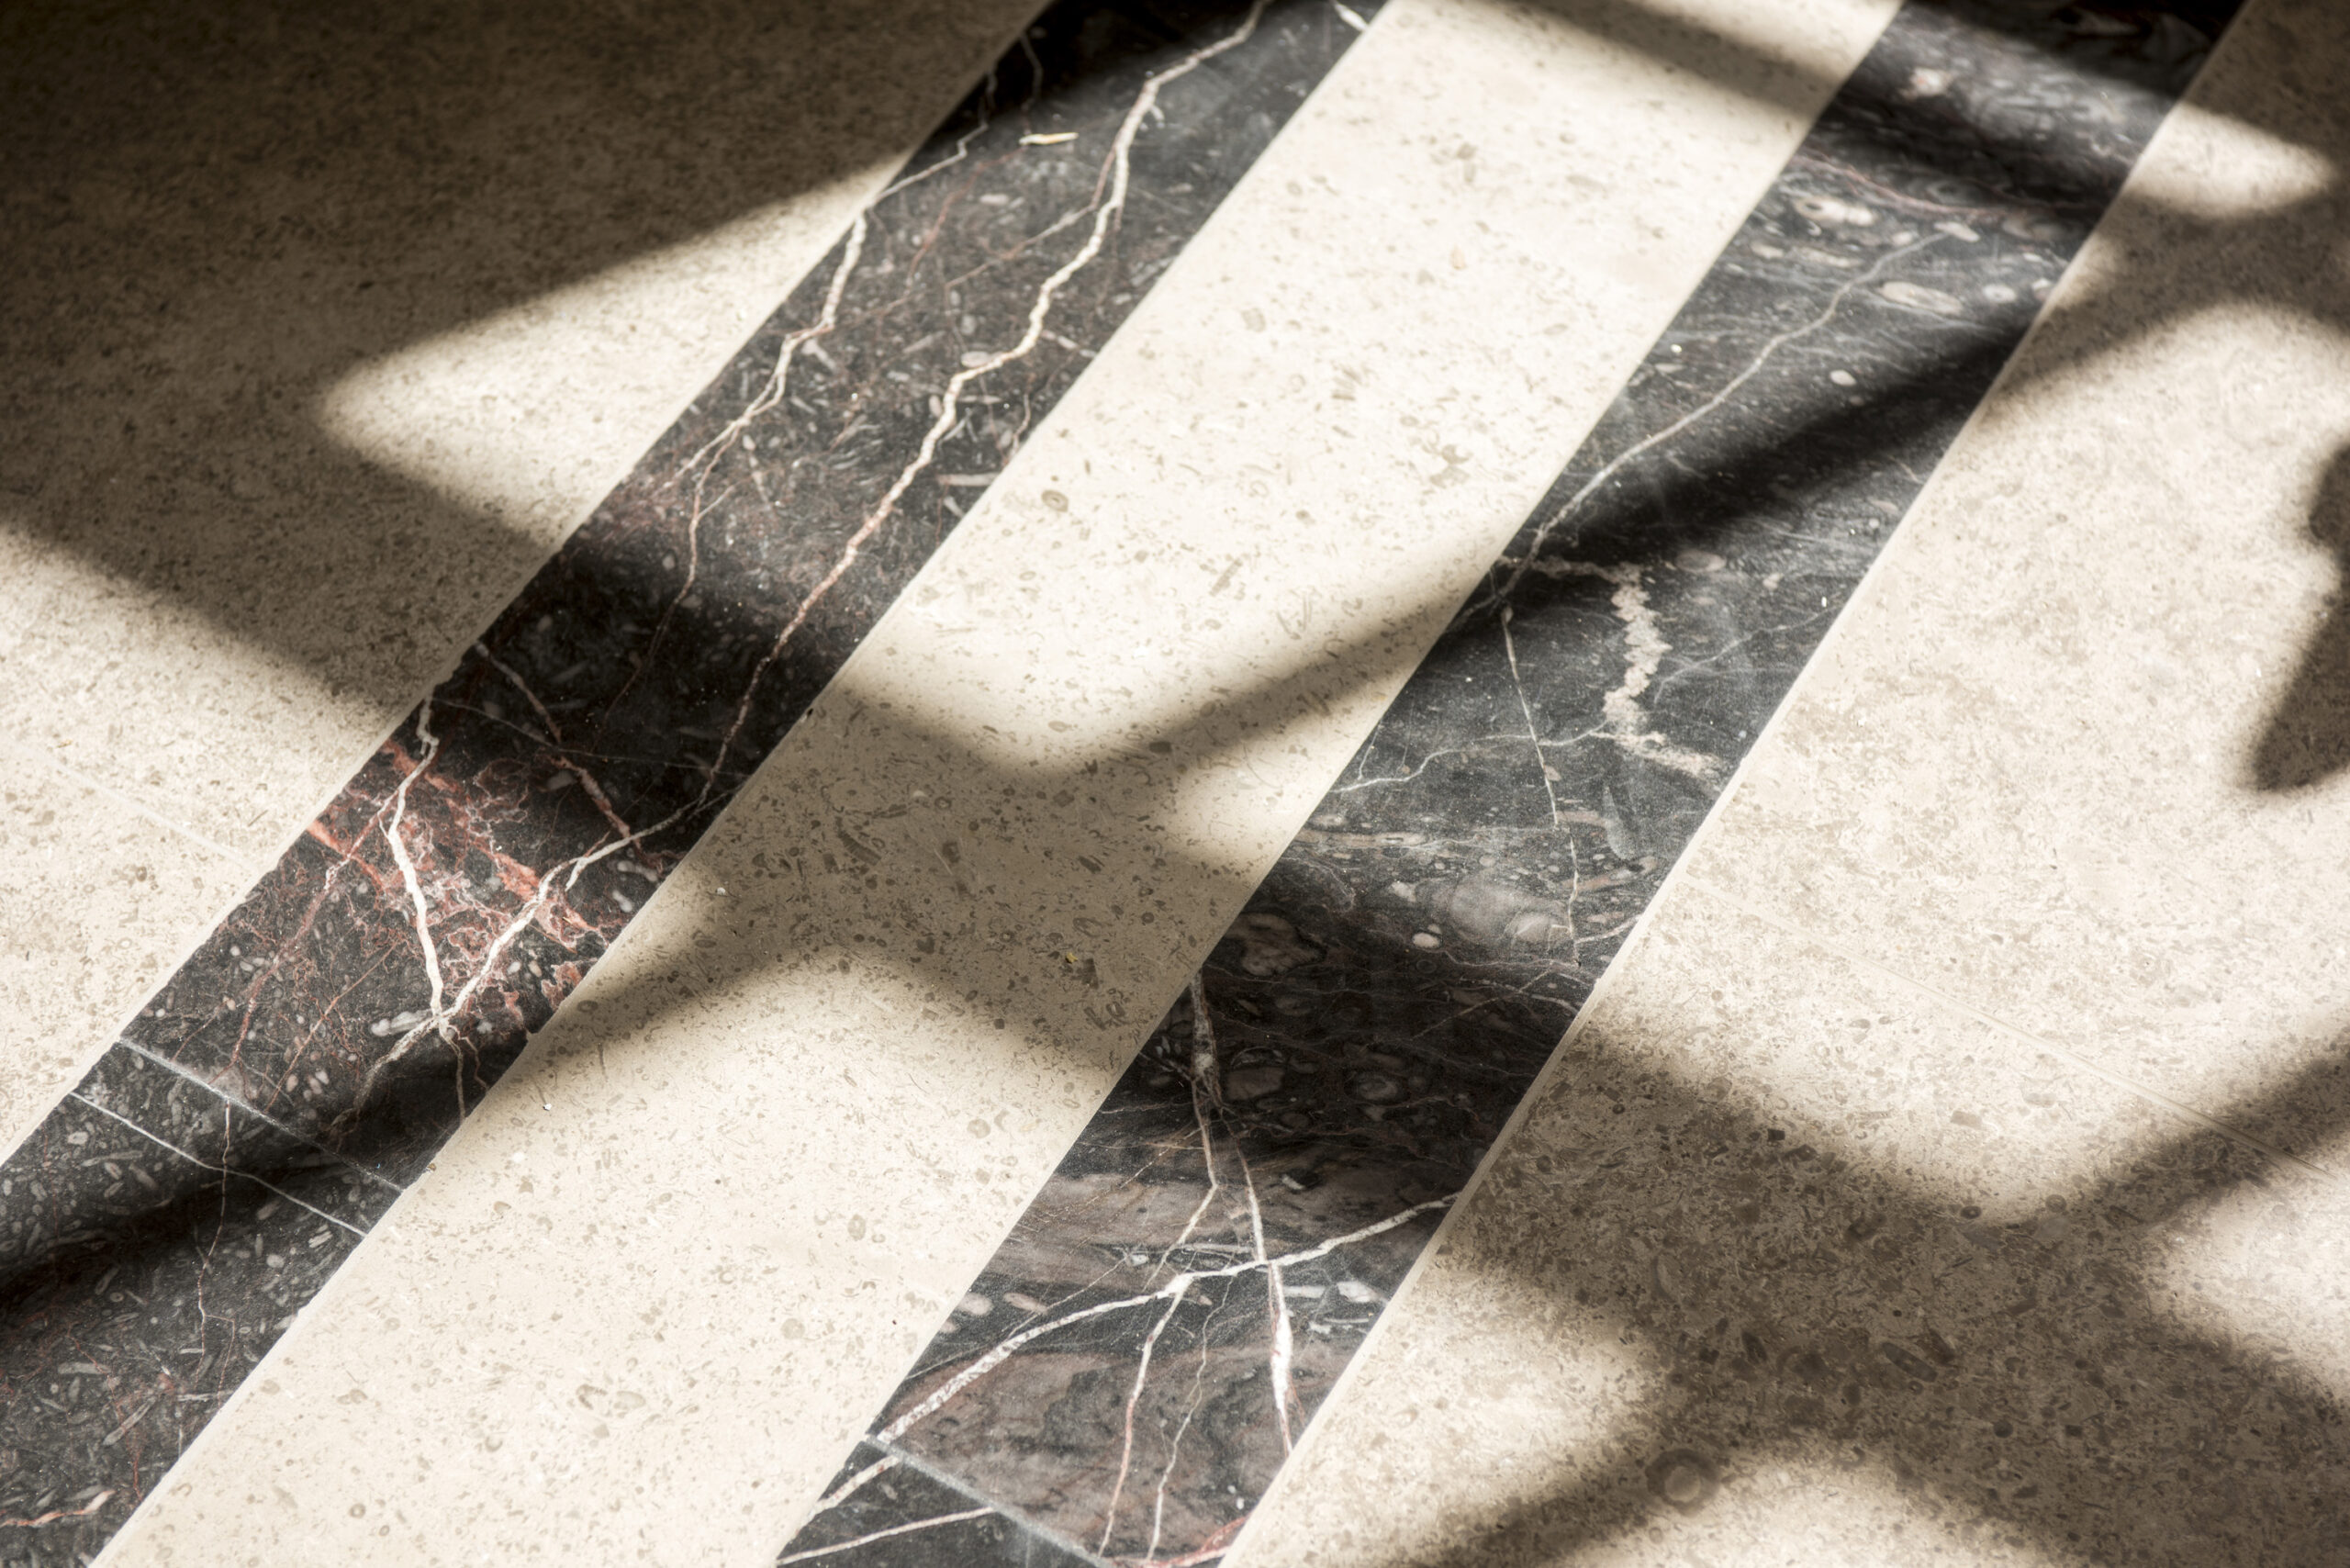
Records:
x=2154, y=1097
x=193, y=938
x=25, y=754
x=203, y=1165
x=840, y=1546
x=1027, y=1526
x=261, y=1117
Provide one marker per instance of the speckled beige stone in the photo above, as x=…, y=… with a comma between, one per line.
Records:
x=683, y=1251
x=1875, y=1211
x=321, y=335
x=280, y=433
x=1789, y=1261
x=98, y=901
x=2080, y=754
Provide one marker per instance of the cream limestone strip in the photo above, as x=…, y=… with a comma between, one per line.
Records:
x=2034, y=771
x=520, y=422
x=434, y=478
x=351, y=454
x=98, y=901
x=655, y=1287
x=2085, y=762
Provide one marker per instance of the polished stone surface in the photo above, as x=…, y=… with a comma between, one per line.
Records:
x=1954, y=1170
x=1790, y=1258
x=1088, y=728
x=1949, y=1169
x=325, y=328
x=2116, y=616
x=1129, y=1373
x=390, y=967
x=540, y=794
x=217, y=1227
x=323, y=333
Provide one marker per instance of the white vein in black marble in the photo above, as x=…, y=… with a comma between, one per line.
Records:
x=1135, y=1366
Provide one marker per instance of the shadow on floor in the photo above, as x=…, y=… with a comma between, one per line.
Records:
x=2308, y=737
x=1792, y=1353
x=214, y=212
x=2014, y=1360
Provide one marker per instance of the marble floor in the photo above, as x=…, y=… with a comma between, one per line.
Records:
x=1176, y=782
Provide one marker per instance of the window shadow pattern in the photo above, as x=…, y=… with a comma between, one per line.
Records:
x=1127, y=1378
x=164, y=1223
x=1998, y=1362
x=213, y=212
x=2307, y=739
x=1695, y=571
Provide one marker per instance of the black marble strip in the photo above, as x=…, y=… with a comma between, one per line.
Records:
x=1133, y=1368
x=159, y=1229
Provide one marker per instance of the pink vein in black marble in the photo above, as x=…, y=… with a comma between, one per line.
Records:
x=159, y=1230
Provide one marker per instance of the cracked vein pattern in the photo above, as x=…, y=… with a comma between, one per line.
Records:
x=1128, y=1375
x=159, y=1230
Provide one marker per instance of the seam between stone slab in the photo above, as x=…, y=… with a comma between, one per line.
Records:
x=222, y=1169
x=135, y=1048
x=249, y=867
x=884, y=185
x=197, y=932
x=17, y=752
x=615, y=474
x=1020, y=1520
